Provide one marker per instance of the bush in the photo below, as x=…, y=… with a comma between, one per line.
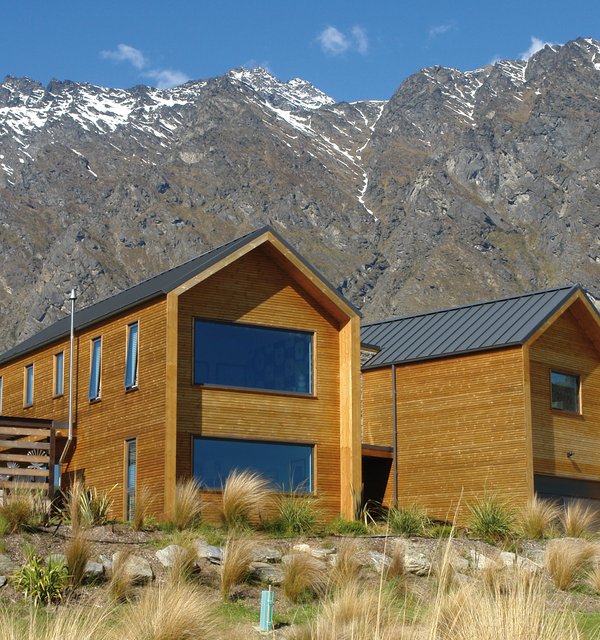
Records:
x=187, y=506
x=342, y=527
x=21, y=509
x=491, y=519
x=578, y=519
x=303, y=577
x=297, y=515
x=537, y=518
x=408, y=521
x=41, y=581
x=245, y=494
x=565, y=561
x=86, y=507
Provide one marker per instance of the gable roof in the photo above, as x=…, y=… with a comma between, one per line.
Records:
x=474, y=327
x=154, y=287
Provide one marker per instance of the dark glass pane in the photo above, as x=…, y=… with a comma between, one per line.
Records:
x=287, y=466
x=237, y=355
x=565, y=392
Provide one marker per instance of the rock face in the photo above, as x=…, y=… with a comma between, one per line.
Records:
x=463, y=186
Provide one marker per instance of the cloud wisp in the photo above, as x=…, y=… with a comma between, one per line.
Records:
x=162, y=78
x=440, y=29
x=335, y=42
x=534, y=47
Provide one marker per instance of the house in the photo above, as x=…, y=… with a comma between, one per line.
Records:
x=501, y=397
x=245, y=353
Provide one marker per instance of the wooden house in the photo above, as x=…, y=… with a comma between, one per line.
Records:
x=243, y=357
x=499, y=398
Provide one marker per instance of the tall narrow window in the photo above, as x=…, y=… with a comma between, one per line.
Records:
x=95, y=369
x=28, y=392
x=59, y=373
x=131, y=364
x=130, y=477
x=0, y=395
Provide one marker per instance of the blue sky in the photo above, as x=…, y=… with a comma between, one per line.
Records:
x=351, y=50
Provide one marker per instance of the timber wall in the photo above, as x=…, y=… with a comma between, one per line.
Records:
x=256, y=290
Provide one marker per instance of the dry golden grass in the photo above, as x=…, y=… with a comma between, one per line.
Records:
x=77, y=553
x=121, y=580
x=245, y=495
x=238, y=553
x=578, y=519
x=593, y=578
x=187, y=505
x=537, y=519
x=72, y=507
x=172, y=612
x=565, y=561
x=347, y=565
x=143, y=504
x=21, y=508
x=397, y=567
x=303, y=577
x=184, y=564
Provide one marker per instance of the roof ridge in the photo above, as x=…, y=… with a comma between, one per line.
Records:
x=473, y=304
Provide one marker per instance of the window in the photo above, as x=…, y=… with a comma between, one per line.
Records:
x=131, y=363
x=565, y=392
x=28, y=392
x=289, y=467
x=239, y=355
x=130, y=477
x=59, y=374
x=95, y=369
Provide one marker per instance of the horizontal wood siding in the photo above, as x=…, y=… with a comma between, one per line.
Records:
x=377, y=407
x=566, y=347
x=102, y=427
x=462, y=432
x=256, y=290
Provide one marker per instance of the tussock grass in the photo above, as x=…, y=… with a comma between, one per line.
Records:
x=173, y=612
x=77, y=553
x=94, y=506
x=121, y=580
x=347, y=565
x=238, y=553
x=537, y=519
x=491, y=519
x=245, y=495
x=578, y=519
x=187, y=505
x=72, y=504
x=565, y=561
x=184, y=564
x=304, y=577
x=593, y=578
x=408, y=521
x=21, y=509
x=397, y=567
x=297, y=514
x=143, y=504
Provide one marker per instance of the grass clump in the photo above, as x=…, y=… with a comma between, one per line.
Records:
x=184, y=565
x=245, y=495
x=303, y=577
x=342, y=527
x=565, y=561
x=21, y=509
x=141, y=511
x=593, y=578
x=348, y=563
x=77, y=553
x=121, y=579
x=41, y=581
x=491, y=519
x=187, y=505
x=537, y=519
x=408, y=521
x=297, y=515
x=94, y=506
x=578, y=519
x=238, y=553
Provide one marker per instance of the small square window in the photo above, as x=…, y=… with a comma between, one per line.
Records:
x=565, y=392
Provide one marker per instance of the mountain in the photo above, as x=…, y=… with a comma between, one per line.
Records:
x=463, y=186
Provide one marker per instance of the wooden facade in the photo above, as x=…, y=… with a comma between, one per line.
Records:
x=261, y=283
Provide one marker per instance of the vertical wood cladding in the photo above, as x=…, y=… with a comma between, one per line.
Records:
x=566, y=347
x=255, y=290
x=103, y=426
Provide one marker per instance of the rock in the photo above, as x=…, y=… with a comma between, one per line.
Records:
x=379, y=561
x=209, y=552
x=459, y=564
x=512, y=560
x=323, y=553
x=417, y=563
x=93, y=570
x=3, y=581
x=267, y=554
x=536, y=555
x=7, y=566
x=480, y=561
x=302, y=548
x=168, y=555
x=137, y=568
x=268, y=573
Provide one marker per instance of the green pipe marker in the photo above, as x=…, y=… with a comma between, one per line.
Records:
x=266, y=610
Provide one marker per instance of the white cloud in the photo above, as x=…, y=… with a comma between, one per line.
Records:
x=534, y=47
x=335, y=42
x=126, y=53
x=439, y=30
x=163, y=78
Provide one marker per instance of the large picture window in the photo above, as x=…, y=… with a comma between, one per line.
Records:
x=240, y=355
x=95, y=369
x=289, y=467
x=565, y=392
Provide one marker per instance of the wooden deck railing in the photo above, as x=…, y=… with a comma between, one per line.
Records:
x=27, y=453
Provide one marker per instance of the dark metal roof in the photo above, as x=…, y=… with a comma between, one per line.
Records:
x=148, y=290
x=474, y=327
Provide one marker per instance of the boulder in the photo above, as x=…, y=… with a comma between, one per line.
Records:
x=3, y=581
x=267, y=554
x=302, y=548
x=7, y=566
x=267, y=573
x=209, y=552
x=379, y=561
x=417, y=563
x=168, y=555
x=512, y=560
x=93, y=570
x=137, y=568
x=323, y=553
x=480, y=561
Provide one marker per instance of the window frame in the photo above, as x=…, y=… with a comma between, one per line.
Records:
x=56, y=392
x=225, y=387
x=313, y=462
x=98, y=395
x=27, y=402
x=135, y=385
x=579, y=402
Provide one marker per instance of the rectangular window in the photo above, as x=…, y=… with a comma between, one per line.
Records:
x=289, y=467
x=28, y=392
x=239, y=355
x=130, y=477
x=59, y=374
x=95, y=369
x=131, y=362
x=565, y=392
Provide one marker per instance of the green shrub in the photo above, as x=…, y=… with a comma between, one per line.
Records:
x=491, y=519
x=4, y=526
x=408, y=521
x=297, y=515
x=94, y=506
x=343, y=527
x=42, y=581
